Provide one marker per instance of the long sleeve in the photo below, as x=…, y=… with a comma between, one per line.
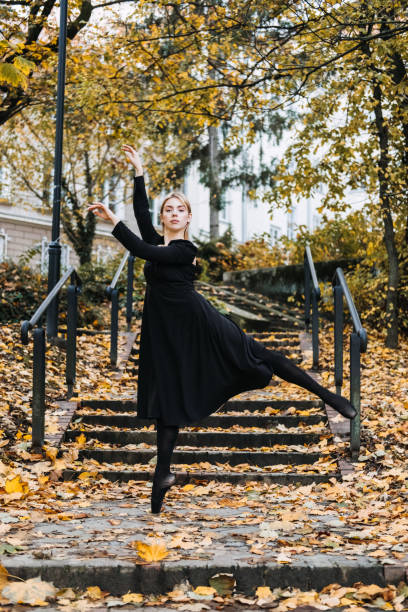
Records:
x=142, y=213
x=178, y=252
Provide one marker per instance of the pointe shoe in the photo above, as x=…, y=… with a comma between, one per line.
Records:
x=341, y=404
x=159, y=490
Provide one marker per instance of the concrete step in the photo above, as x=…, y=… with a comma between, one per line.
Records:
x=183, y=478
x=119, y=577
x=293, y=351
x=225, y=421
x=230, y=405
x=200, y=439
x=233, y=458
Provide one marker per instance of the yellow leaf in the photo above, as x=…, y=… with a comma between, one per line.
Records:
x=264, y=592
x=132, y=598
x=204, y=590
x=84, y=475
x=51, y=453
x=81, y=440
x=152, y=552
x=3, y=577
x=94, y=592
x=188, y=487
x=16, y=485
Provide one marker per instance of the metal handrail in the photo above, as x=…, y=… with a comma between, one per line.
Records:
x=118, y=272
x=27, y=325
x=313, y=275
x=358, y=328
x=358, y=345
x=39, y=350
x=312, y=297
x=113, y=294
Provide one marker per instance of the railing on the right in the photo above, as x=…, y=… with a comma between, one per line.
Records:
x=113, y=294
x=358, y=345
x=312, y=297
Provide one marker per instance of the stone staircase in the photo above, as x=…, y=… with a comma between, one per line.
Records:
x=261, y=435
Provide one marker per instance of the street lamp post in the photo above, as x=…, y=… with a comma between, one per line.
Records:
x=54, y=249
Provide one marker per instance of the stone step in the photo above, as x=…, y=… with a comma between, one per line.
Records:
x=292, y=351
x=183, y=478
x=234, y=458
x=200, y=439
x=118, y=576
x=274, y=344
x=225, y=421
x=230, y=405
x=279, y=335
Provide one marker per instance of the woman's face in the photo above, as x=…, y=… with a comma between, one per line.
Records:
x=175, y=214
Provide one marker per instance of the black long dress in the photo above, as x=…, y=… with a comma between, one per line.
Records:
x=192, y=358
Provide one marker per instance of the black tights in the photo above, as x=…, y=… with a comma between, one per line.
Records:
x=166, y=441
x=289, y=371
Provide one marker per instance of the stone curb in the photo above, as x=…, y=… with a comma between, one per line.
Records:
x=119, y=577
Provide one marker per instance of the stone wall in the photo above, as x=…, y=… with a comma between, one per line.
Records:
x=283, y=281
x=24, y=230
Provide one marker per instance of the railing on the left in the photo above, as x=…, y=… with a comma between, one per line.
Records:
x=113, y=293
x=39, y=350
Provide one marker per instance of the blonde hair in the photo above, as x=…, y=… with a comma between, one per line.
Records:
x=183, y=199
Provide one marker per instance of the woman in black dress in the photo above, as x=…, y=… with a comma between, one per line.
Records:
x=192, y=358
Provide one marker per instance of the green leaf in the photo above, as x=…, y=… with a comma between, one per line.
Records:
x=24, y=65
x=10, y=74
x=223, y=583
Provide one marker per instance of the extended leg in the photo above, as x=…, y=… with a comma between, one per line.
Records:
x=163, y=479
x=287, y=370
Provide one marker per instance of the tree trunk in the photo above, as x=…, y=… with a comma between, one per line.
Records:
x=389, y=234
x=215, y=182
x=79, y=229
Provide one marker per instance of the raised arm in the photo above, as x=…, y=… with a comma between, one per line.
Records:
x=140, y=201
x=178, y=252
x=142, y=213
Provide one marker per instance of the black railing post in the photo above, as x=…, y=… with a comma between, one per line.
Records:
x=54, y=249
x=355, y=348
x=70, y=372
x=358, y=345
x=338, y=337
x=38, y=401
x=315, y=329
x=307, y=293
x=114, y=326
x=312, y=297
x=129, y=294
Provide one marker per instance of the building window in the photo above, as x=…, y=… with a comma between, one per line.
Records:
x=4, y=183
x=3, y=245
x=110, y=192
x=290, y=232
x=316, y=221
x=274, y=234
x=104, y=254
x=224, y=213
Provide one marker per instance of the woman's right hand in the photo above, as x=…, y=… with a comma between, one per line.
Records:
x=101, y=210
x=133, y=158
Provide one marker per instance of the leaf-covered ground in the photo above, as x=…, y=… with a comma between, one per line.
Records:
x=365, y=515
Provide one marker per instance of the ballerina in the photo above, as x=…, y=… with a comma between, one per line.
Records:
x=192, y=358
